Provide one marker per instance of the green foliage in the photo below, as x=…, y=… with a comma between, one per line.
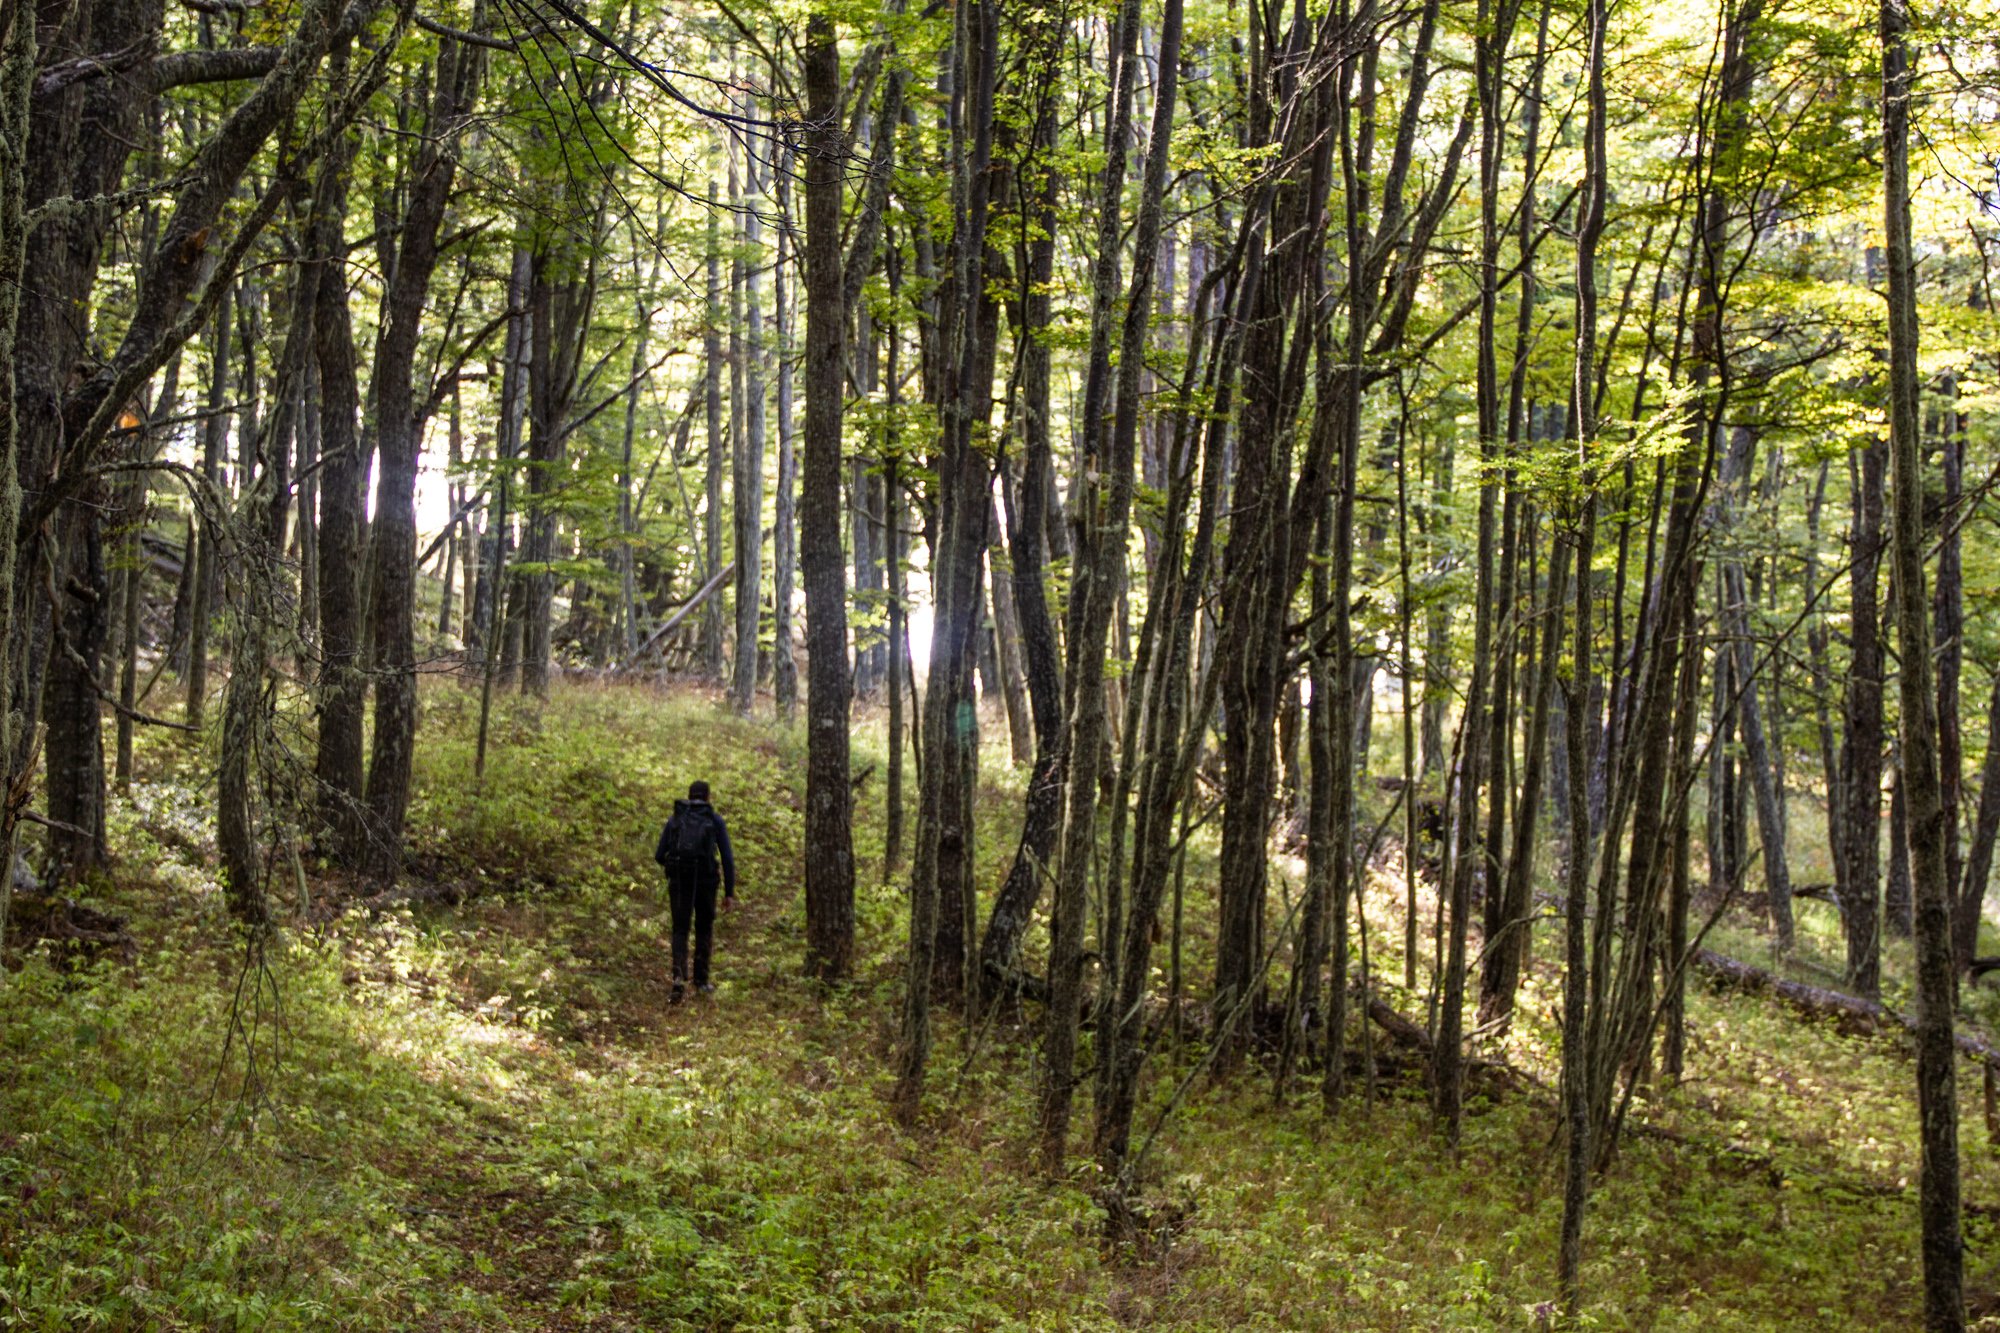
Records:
x=486, y=1116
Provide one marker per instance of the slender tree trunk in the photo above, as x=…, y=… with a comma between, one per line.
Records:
x=749, y=489
x=830, y=868
x=202, y=611
x=133, y=585
x=455, y=461
x=1948, y=650
x=1508, y=956
x=712, y=363
x=1577, y=1058
x=256, y=574
x=73, y=752
x=1822, y=691
x=562, y=287
x=1028, y=510
x=784, y=664
x=940, y=881
x=181, y=618
x=1679, y=888
x=401, y=415
x=626, y=563
x=1937, y=1057
x=245, y=718
x=1986, y=822
x=1263, y=559
x=899, y=628
x=17, y=79
x=498, y=614
x=131, y=598
x=1098, y=513
x=1104, y=516
x=1007, y=647
x=860, y=527
x=1861, y=745
x=342, y=687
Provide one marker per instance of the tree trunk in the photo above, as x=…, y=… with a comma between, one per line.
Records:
x=342, y=686
x=1092, y=598
x=1861, y=745
x=1817, y=635
x=749, y=487
x=1937, y=1075
x=711, y=353
x=1007, y=647
x=201, y=613
x=830, y=869
x=70, y=145
x=941, y=887
x=628, y=532
x=1757, y=760
x=17, y=78
x=784, y=662
x=1258, y=560
x=454, y=461
x=73, y=750
x=861, y=525
x=562, y=286
x=1577, y=1057
x=1948, y=650
x=401, y=413
x=492, y=613
x=1027, y=519
x=1986, y=822
x=1109, y=465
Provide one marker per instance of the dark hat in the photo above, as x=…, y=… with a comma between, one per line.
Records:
x=697, y=791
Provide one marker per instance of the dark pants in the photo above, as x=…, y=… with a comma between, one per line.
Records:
x=693, y=900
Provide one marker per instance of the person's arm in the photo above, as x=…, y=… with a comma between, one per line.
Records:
x=728, y=859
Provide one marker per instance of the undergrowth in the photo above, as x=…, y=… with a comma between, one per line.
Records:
x=476, y=1110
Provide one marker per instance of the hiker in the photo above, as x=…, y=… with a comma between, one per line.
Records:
x=687, y=852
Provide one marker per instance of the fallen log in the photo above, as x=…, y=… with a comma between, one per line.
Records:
x=681, y=613
x=1851, y=1012
x=1015, y=982
x=1399, y=1029
x=73, y=932
x=1411, y=1036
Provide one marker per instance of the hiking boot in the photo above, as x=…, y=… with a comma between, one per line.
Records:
x=678, y=993
x=707, y=988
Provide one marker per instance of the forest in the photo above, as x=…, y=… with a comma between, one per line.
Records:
x=1350, y=649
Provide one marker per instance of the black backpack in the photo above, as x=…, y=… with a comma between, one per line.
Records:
x=685, y=841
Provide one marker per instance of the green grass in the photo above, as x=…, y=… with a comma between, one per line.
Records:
x=484, y=1115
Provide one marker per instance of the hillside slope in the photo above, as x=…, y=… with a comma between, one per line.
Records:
x=476, y=1110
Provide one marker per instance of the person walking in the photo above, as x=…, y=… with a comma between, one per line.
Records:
x=690, y=845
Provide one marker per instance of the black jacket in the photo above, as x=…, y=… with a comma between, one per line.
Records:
x=721, y=845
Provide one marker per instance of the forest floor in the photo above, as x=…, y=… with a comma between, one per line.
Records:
x=477, y=1111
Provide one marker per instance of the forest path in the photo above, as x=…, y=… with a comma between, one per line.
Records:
x=619, y=1145
x=517, y=1182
